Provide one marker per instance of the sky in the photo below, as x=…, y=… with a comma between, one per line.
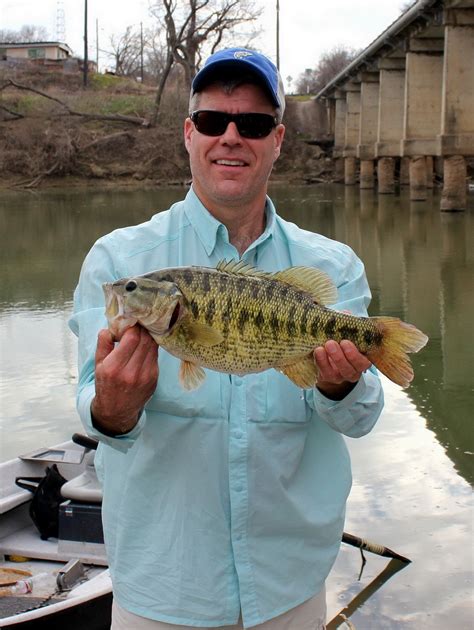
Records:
x=308, y=28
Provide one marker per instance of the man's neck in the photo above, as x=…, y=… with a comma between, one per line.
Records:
x=242, y=233
x=244, y=224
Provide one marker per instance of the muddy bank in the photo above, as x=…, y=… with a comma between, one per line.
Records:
x=46, y=147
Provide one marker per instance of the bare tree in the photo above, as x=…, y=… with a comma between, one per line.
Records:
x=125, y=51
x=191, y=25
x=155, y=54
x=312, y=80
x=27, y=33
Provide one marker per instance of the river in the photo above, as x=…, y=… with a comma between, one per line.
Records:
x=412, y=474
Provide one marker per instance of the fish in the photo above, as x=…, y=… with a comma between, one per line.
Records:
x=238, y=319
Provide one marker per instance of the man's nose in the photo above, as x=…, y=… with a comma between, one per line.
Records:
x=231, y=135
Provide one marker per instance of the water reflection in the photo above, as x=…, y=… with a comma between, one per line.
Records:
x=419, y=262
x=409, y=488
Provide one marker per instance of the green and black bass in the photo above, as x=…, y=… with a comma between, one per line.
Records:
x=240, y=320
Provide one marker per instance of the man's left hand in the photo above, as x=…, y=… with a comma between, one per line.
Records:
x=340, y=367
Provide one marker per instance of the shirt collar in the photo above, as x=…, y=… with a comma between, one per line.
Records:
x=208, y=228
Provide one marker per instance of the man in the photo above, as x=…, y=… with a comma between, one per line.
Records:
x=223, y=507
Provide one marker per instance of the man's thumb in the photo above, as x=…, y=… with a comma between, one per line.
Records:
x=105, y=345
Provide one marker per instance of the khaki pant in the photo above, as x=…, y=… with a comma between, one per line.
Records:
x=310, y=615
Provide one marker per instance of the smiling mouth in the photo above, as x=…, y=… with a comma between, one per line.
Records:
x=230, y=163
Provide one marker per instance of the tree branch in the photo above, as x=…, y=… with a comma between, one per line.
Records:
x=134, y=120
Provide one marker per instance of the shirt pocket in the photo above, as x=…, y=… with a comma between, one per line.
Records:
x=171, y=399
x=272, y=397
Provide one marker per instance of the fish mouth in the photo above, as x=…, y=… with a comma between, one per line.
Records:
x=114, y=311
x=175, y=317
x=166, y=323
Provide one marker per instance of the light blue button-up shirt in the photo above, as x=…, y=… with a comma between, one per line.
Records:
x=231, y=497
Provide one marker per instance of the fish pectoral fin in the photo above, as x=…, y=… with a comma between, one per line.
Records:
x=303, y=373
x=191, y=375
x=314, y=281
x=203, y=334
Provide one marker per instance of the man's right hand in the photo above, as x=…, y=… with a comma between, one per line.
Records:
x=126, y=375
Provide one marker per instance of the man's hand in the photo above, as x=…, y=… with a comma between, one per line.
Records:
x=125, y=378
x=340, y=367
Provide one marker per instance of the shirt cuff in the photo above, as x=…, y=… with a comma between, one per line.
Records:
x=356, y=414
x=121, y=442
x=353, y=396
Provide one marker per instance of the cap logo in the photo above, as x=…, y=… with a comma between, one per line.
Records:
x=241, y=54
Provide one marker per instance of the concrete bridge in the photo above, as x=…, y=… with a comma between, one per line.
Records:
x=404, y=108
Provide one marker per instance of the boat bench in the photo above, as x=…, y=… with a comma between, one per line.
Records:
x=14, y=500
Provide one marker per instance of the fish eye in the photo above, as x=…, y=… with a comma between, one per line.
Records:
x=131, y=286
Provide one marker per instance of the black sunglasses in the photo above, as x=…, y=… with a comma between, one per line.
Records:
x=249, y=125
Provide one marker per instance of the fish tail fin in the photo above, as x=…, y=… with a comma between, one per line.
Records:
x=390, y=357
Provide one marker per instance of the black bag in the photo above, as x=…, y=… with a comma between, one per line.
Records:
x=44, y=506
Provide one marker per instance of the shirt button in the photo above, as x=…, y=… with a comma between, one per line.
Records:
x=238, y=537
x=238, y=434
x=239, y=488
x=238, y=381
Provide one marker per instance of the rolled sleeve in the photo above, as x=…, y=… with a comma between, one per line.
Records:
x=356, y=414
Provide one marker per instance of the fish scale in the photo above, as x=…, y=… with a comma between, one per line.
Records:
x=248, y=314
x=241, y=320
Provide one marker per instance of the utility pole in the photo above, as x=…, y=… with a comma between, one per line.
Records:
x=278, y=33
x=86, y=59
x=97, y=42
x=141, y=51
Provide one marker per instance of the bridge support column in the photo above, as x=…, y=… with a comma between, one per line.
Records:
x=422, y=119
x=340, y=110
x=351, y=132
x=454, y=195
x=457, y=132
x=349, y=171
x=369, y=111
x=405, y=171
x=339, y=169
x=429, y=171
x=386, y=175
x=367, y=174
x=418, y=178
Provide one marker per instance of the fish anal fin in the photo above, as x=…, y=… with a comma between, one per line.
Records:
x=191, y=375
x=303, y=372
x=390, y=357
x=203, y=334
x=314, y=281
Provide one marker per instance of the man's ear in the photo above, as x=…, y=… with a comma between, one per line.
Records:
x=279, y=135
x=188, y=131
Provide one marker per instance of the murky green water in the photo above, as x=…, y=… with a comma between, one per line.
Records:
x=411, y=474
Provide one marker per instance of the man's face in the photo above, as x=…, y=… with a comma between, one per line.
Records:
x=229, y=170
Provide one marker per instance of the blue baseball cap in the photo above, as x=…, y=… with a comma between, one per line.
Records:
x=247, y=60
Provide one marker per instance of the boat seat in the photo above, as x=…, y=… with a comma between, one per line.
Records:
x=14, y=500
x=85, y=487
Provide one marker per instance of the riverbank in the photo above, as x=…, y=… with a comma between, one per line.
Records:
x=55, y=133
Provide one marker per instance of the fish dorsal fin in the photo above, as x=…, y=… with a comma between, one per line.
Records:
x=314, y=281
x=240, y=267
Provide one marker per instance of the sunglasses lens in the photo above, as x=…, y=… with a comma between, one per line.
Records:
x=255, y=125
x=252, y=126
x=210, y=123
